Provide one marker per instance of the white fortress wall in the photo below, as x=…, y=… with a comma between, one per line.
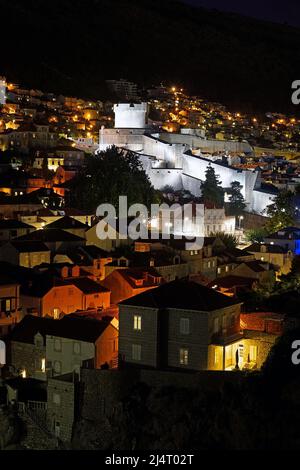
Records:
x=260, y=200
x=250, y=182
x=215, y=145
x=160, y=177
x=196, y=166
x=154, y=147
x=147, y=162
x=170, y=153
x=191, y=184
x=191, y=140
x=196, y=132
x=132, y=139
x=207, y=145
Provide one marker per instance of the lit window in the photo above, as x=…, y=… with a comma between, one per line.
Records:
x=208, y=264
x=136, y=352
x=227, y=269
x=184, y=326
x=7, y=305
x=183, y=356
x=56, y=313
x=219, y=270
x=253, y=353
x=43, y=365
x=137, y=322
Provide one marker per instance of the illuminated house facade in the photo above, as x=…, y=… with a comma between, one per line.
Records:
x=55, y=294
x=126, y=283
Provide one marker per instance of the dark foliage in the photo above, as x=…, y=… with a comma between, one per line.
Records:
x=109, y=175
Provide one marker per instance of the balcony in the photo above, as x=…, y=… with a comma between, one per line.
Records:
x=227, y=335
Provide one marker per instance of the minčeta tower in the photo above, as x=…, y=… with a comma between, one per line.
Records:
x=130, y=115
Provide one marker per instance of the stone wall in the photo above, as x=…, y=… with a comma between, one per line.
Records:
x=102, y=390
x=61, y=396
x=262, y=341
x=27, y=356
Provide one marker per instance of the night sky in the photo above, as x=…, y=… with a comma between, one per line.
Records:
x=287, y=11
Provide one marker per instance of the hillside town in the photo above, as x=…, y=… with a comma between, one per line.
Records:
x=84, y=319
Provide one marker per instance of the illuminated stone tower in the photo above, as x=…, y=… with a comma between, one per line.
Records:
x=130, y=115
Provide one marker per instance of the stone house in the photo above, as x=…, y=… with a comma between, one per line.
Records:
x=25, y=253
x=27, y=347
x=12, y=228
x=179, y=325
x=277, y=255
x=128, y=282
x=62, y=289
x=73, y=340
x=43, y=347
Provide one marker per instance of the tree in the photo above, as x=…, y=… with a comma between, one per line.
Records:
x=281, y=212
x=256, y=235
x=230, y=241
x=236, y=199
x=107, y=176
x=212, y=191
x=291, y=280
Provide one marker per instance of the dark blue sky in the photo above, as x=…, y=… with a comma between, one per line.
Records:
x=281, y=11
